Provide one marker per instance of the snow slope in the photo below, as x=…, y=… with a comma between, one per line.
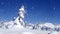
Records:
x=17, y=29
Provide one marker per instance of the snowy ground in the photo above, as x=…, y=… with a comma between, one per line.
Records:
x=19, y=29
x=25, y=31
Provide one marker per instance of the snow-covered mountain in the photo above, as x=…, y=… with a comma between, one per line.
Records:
x=14, y=28
x=18, y=26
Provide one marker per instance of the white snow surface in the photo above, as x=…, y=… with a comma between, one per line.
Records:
x=49, y=25
x=20, y=29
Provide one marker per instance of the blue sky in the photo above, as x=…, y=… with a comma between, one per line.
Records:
x=36, y=10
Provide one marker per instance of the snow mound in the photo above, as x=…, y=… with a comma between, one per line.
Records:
x=54, y=32
x=49, y=25
x=27, y=33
